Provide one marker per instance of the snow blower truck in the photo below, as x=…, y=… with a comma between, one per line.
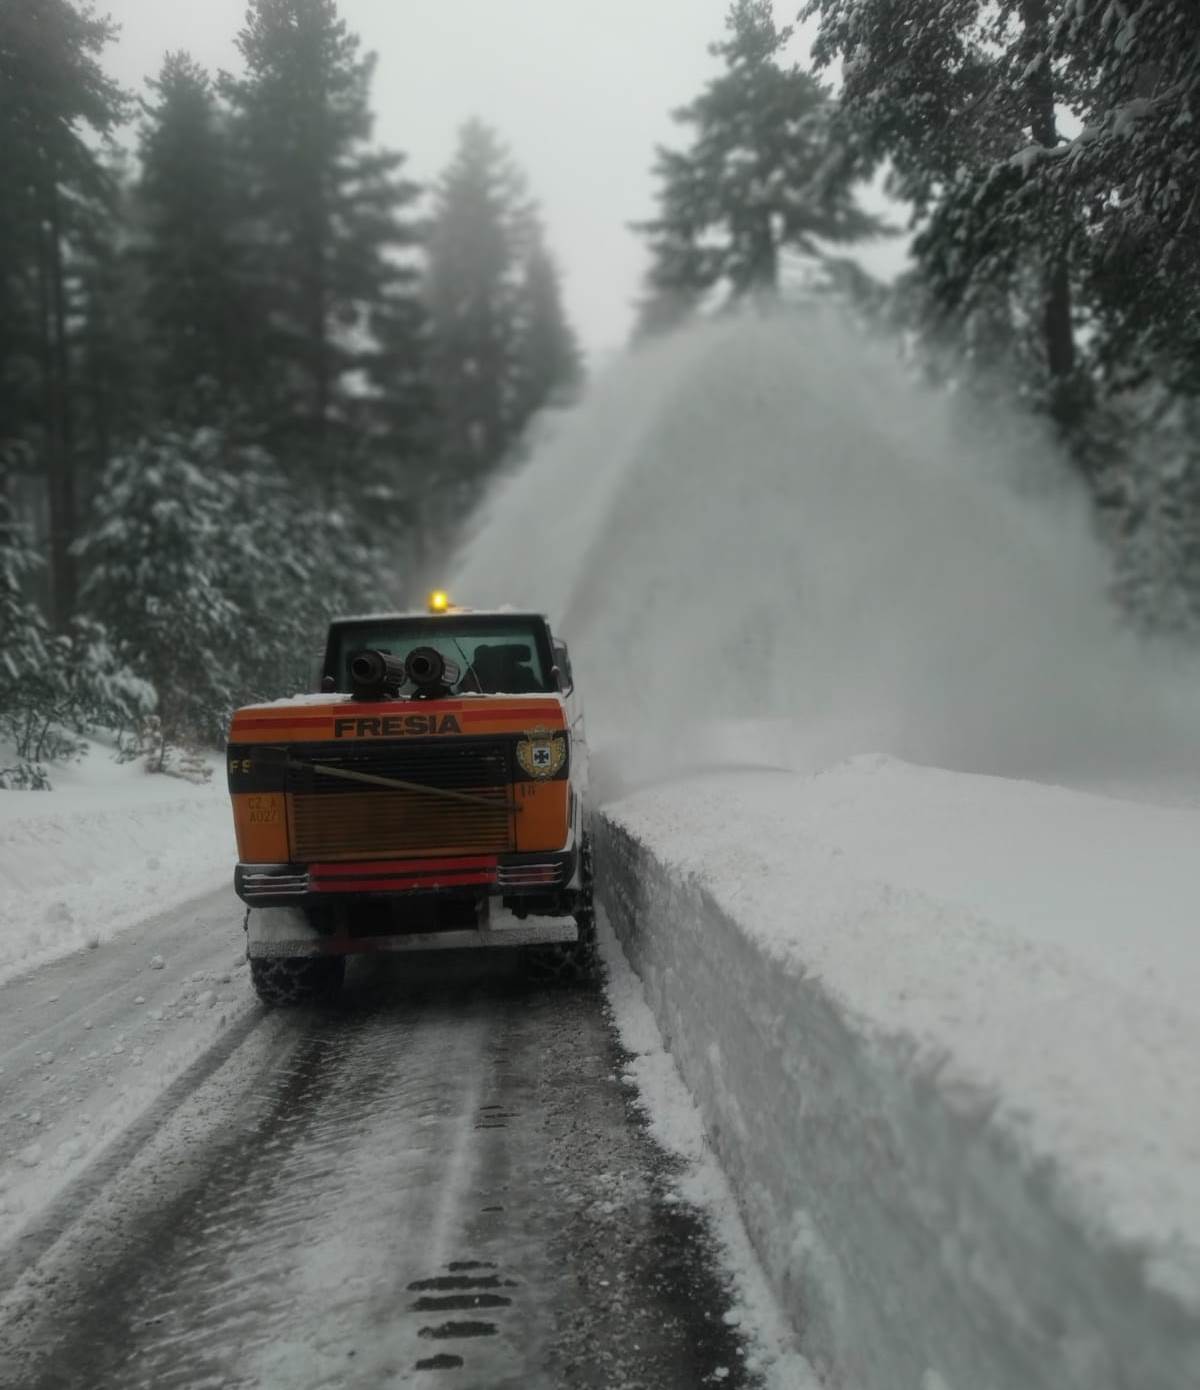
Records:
x=429, y=798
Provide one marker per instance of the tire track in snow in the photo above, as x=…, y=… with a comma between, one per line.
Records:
x=437, y=1180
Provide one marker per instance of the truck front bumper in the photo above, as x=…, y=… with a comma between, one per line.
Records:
x=504, y=875
x=287, y=932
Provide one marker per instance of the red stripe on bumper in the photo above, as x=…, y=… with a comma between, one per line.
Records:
x=406, y=884
x=405, y=875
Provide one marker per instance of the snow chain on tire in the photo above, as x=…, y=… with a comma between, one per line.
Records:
x=283, y=983
x=572, y=964
x=577, y=963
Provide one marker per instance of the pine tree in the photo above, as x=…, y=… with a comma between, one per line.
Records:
x=477, y=245
x=960, y=99
x=52, y=95
x=502, y=347
x=325, y=213
x=1151, y=509
x=54, y=687
x=156, y=559
x=25, y=635
x=401, y=415
x=1134, y=169
x=108, y=349
x=213, y=577
x=21, y=358
x=548, y=362
x=754, y=180
x=197, y=303
x=24, y=656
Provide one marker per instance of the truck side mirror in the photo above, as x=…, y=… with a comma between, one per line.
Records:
x=561, y=670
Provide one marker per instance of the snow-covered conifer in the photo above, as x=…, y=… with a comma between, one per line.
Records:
x=325, y=217
x=959, y=100
x=156, y=560
x=213, y=578
x=501, y=345
x=548, y=364
x=54, y=686
x=56, y=102
x=200, y=309
x=1134, y=167
x=757, y=178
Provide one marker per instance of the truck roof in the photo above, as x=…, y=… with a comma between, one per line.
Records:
x=505, y=611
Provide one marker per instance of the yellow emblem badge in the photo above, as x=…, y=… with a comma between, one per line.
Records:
x=542, y=753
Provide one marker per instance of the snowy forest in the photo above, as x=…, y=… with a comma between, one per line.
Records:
x=1044, y=156
x=252, y=373
x=249, y=371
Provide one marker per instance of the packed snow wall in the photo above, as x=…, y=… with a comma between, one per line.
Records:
x=945, y=1049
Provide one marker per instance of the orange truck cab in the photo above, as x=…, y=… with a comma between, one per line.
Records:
x=430, y=797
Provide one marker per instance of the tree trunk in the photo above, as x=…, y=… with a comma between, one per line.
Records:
x=764, y=283
x=319, y=328
x=60, y=466
x=1058, y=329
x=320, y=244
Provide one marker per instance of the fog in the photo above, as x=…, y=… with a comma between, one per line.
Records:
x=766, y=544
x=581, y=94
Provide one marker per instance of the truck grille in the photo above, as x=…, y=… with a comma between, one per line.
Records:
x=332, y=819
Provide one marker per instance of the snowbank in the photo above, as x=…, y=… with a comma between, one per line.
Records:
x=109, y=846
x=944, y=1032
x=677, y=1126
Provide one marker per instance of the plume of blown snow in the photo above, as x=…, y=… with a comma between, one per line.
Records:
x=766, y=544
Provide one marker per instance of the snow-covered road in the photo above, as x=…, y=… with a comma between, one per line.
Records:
x=90, y=1041
x=447, y=1177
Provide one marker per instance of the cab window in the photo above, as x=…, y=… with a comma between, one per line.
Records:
x=492, y=660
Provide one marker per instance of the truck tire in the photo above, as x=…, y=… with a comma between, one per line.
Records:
x=283, y=982
x=577, y=963
x=573, y=964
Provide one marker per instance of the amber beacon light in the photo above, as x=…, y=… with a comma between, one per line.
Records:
x=439, y=601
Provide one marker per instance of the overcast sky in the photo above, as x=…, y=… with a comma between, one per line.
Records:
x=580, y=90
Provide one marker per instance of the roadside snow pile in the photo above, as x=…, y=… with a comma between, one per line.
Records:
x=107, y=847
x=678, y=1127
x=944, y=1032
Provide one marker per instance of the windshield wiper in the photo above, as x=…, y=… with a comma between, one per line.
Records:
x=467, y=665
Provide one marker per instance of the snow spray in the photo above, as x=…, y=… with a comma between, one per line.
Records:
x=767, y=545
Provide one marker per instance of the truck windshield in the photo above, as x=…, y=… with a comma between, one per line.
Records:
x=492, y=658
